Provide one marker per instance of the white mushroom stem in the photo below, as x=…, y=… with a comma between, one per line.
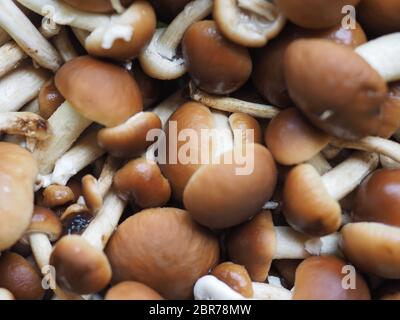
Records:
x=83, y=153
x=6, y=295
x=320, y=164
x=64, y=46
x=26, y=124
x=118, y=7
x=64, y=14
x=20, y=86
x=107, y=174
x=388, y=163
x=21, y=29
x=383, y=55
x=67, y=125
x=4, y=37
x=264, y=291
x=10, y=57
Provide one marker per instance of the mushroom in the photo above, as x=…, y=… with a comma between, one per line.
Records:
x=188, y=251
x=132, y=290
x=11, y=56
x=250, y=23
x=311, y=201
x=64, y=46
x=49, y=99
x=6, y=295
x=27, y=124
x=245, y=129
x=160, y=59
x=56, y=195
x=287, y=270
x=257, y=242
x=100, y=6
x=316, y=274
x=388, y=163
x=225, y=68
x=19, y=277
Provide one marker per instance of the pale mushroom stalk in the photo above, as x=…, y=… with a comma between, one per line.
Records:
x=118, y=7
x=26, y=124
x=320, y=164
x=160, y=59
x=29, y=39
x=10, y=57
x=13, y=95
x=64, y=46
x=6, y=295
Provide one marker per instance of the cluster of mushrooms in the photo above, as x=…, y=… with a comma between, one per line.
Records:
x=87, y=210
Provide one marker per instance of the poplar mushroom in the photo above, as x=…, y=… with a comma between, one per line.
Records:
x=132, y=290
x=49, y=99
x=56, y=195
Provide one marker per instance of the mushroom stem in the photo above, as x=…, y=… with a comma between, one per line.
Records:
x=6, y=295
x=383, y=55
x=67, y=126
x=232, y=104
x=10, y=57
x=64, y=14
x=388, y=163
x=21, y=29
x=320, y=164
x=105, y=180
x=13, y=96
x=265, y=291
x=24, y=123
x=64, y=46
x=118, y=7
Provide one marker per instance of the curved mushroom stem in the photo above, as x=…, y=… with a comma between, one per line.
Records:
x=118, y=7
x=320, y=164
x=13, y=95
x=10, y=57
x=388, y=163
x=232, y=104
x=26, y=124
x=63, y=14
x=64, y=46
x=383, y=55
x=21, y=29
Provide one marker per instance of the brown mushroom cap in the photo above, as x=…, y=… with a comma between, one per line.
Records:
x=141, y=181
x=253, y=245
x=81, y=268
x=49, y=99
x=132, y=290
x=218, y=197
x=168, y=9
x=246, y=129
x=236, y=277
x=390, y=112
x=100, y=91
x=346, y=109
x=292, y=139
x=164, y=249
x=321, y=278
x=99, y=6
x=308, y=207
x=378, y=198
x=56, y=195
x=91, y=193
x=45, y=221
x=314, y=13
x=215, y=64
x=373, y=247
x=128, y=140
x=20, y=277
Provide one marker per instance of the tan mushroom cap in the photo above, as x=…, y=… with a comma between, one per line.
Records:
x=246, y=129
x=373, y=247
x=57, y=195
x=49, y=99
x=308, y=207
x=45, y=221
x=129, y=140
x=100, y=91
x=390, y=112
x=91, y=192
x=20, y=277
x=292, y=139
x=321, y=278
x=162, y=248
x=218, y=196
x=346, y=109
x=99, y=6
x=253, y=245
x=81, y=268
x=142, y=182
x=132, y=290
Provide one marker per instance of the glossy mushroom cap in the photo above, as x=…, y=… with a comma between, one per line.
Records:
x=215, y=64
x=100, y=91
x=81, y=268
x=219, y=196
x=168, y=9
x=132, y=290
x=99, y=6
x=129, y=139
x=253, y=245
x=373, y=248
x=316, y=14
x=292, y=139
x=162, y=248
x=346, y=109
x=45, y=221
x=49, y=99
x=246, y=129
x=142, y=182
x=236, y=277
x=56, y=195
x=20, y=277
x=321, y=278
x=91, y=193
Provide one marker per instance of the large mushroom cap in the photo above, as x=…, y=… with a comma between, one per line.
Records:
x=99, y=6
x=164, y=249
x=100, y=91
x=321, y=278
x=132, y=290
x=335, y=88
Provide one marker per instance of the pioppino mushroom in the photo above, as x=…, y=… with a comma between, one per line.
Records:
x=132, y=290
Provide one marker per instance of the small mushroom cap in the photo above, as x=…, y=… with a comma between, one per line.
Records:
x=390, y=112
x=378, y=198
x=56, y=195
x=164, y=249
x=141, y=181
x=246, y=129
x=316, y=14
x=321, y=278
x=49, y=99
x=253, y=245
x=100, y=91
x=132, y=290
x=6, y=295
x=168, y=9
x=292, y=139
x=45, y=221
x=91, y=192
x=99, y=6
x=218, y=196
x=81, y=268
x=224, y=68
x=235, y=276
x=20, y=277
x=129, y=139
x=373, y=247
x=308, y=207
x=346, y=109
